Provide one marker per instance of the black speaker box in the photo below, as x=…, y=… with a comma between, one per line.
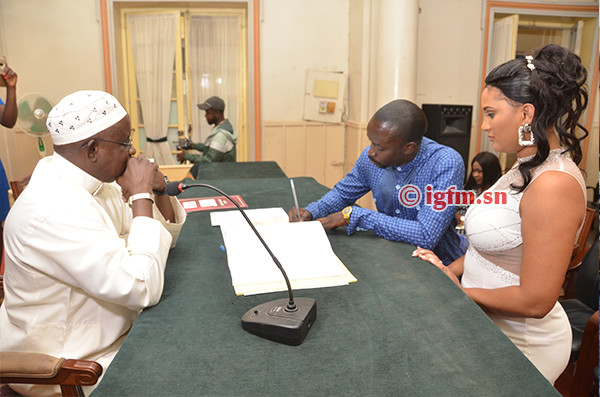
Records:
x=450, y=125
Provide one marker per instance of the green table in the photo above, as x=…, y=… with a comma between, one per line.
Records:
x=403, y=329
x=249, y=169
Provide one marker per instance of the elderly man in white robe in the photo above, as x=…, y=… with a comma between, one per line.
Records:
x=88, y=239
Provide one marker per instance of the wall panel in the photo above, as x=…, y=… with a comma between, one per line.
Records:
x=326, y=152
x=316, y=153
x=334, y=162
x=306, y=149
x=273, y=144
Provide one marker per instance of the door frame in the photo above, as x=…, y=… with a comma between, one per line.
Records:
x=508, y=7
x=109, y=10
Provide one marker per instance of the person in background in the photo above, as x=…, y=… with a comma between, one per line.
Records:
x=485, y=171
x=399, y=156
x=8, y=118
x=519, y=250
x=220, y=145
x=87, y=242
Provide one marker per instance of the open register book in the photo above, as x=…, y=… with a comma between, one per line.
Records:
x=302, y=248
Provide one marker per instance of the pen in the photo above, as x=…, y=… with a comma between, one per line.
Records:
x=295, y=199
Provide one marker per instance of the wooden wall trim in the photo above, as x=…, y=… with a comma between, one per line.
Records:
x=106, y=47
x=305, y=148
x=256, y=63
x=540, y=7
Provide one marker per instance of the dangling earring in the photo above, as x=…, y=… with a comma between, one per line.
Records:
x=526, y=128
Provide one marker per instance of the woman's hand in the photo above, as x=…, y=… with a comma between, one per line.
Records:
x=429, y=256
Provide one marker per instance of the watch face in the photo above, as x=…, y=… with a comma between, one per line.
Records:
x=346, y=212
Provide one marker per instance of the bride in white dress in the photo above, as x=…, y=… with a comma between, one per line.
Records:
x=519, y=250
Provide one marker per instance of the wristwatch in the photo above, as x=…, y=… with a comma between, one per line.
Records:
x=346, y=212
x=162, y=192
x=140, y=196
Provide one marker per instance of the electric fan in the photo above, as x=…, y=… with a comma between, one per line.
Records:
x=33, y=111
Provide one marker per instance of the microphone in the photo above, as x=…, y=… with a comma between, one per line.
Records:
x=278, y=320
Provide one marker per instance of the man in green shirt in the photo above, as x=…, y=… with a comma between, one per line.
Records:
x=220, y=145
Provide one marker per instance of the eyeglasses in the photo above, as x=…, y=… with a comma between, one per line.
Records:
x=127, y=145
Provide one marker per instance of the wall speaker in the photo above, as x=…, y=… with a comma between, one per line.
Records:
x=450, y=125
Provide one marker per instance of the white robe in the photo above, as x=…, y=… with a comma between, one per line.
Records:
x=79, y=268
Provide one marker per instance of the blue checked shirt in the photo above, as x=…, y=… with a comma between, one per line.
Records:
x=436, y=165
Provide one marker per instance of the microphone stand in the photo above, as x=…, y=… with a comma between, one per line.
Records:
x=278, y=320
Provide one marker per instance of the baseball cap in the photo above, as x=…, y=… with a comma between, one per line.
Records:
x=214, y=102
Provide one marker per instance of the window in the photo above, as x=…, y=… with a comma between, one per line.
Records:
x=209, y=57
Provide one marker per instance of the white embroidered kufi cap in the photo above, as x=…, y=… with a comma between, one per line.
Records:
x=83, y=114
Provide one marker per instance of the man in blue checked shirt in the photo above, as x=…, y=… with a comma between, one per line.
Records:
x=397, y=167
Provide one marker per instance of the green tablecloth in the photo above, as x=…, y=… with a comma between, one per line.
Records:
x=403, y=329
x=249, y=169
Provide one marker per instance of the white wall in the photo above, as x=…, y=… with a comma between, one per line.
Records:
x=300, y=35
x=55, y=47
x=449, y=52
x=296, y=36
x=449, y=56
x=358, y=61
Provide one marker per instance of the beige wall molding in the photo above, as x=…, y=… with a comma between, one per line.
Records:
x=326, y=152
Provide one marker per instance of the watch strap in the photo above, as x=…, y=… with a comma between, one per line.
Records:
x=140, y=196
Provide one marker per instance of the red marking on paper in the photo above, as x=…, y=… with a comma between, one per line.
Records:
x=211, y=203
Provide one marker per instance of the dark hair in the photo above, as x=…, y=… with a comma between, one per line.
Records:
x=490, y=165
x=556, y=88
x=403, y=119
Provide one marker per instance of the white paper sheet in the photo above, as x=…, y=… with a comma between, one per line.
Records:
x=260, y=216
x=302, y=248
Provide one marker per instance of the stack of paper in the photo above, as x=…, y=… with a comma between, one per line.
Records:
x=302, y=248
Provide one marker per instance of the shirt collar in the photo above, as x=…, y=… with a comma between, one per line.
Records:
x=419, y=158
x=75, y=174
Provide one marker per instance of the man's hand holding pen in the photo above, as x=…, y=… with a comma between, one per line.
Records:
x=329, y=222
x=304, y=215
x=298, y=214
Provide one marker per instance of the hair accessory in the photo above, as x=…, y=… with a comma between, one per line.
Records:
x=526, y=128
x=530, y=64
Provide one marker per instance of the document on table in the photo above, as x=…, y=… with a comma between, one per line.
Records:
x=211, y=203
x=302, y=248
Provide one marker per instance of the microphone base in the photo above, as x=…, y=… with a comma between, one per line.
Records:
x=271, y=320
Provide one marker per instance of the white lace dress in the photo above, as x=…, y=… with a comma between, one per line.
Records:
x=493, y=260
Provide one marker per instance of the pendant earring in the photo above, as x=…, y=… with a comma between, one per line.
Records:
x=526, y=128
